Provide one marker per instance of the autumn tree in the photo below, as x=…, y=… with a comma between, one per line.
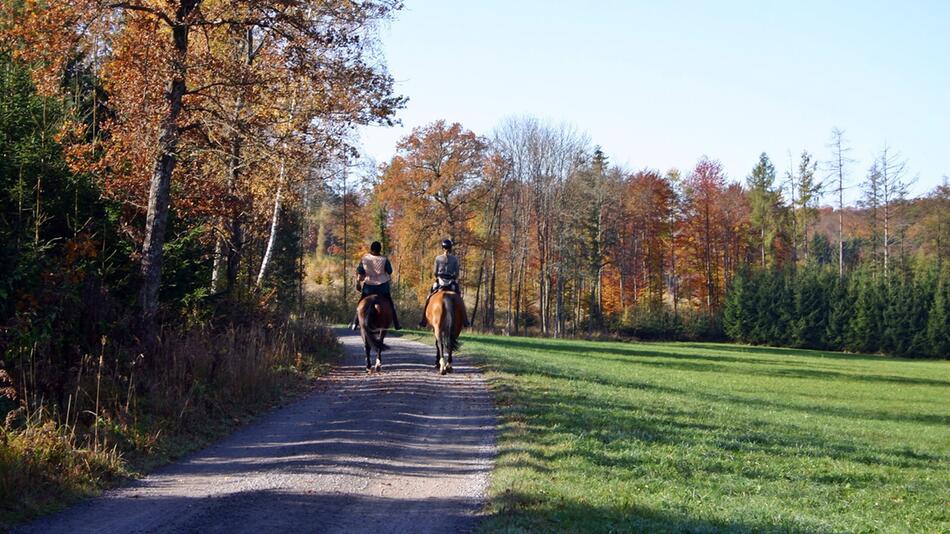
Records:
x=705, y=186
x=648, y=204
x=433, y=182
x=543, y=156
x=487, y=236
x=162, y=83
x=936, y=223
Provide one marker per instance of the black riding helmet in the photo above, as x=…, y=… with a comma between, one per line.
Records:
x=447, y=244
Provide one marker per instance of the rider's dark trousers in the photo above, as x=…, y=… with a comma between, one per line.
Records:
x=379, y=289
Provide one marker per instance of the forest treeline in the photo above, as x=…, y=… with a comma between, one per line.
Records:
x=556, y=241
x=154, y=161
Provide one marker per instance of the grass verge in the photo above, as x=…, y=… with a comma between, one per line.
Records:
x=693, y=437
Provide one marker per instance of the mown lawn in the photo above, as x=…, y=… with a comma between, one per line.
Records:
x=689, y=437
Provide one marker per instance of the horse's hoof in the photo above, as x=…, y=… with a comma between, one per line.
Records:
x=442, y=372
x=379, y=368
x=448, y=369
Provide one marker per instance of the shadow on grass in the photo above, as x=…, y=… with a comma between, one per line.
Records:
x=565, y=415
x=663, y=424
x=672, y=360
x=520, y=512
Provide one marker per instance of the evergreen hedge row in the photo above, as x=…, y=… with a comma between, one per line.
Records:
x=904, y=314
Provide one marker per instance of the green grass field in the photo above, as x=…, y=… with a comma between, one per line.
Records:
x=690, y=437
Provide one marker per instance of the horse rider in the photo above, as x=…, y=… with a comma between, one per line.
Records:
x=373, y=275
x=446, y=270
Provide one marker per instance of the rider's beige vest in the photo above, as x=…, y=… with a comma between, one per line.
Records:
x=375, y=267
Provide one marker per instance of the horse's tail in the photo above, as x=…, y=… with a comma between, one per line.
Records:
x=448, y=323
x=369, y=333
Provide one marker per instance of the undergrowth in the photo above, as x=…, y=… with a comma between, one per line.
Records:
x=122, y=415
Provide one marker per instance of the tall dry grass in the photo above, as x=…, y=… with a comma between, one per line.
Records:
x=121, y=414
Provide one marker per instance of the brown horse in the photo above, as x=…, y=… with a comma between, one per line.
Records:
x=375, y=317
x=446, y=314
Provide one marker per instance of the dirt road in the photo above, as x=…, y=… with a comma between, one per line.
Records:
x=406, y=450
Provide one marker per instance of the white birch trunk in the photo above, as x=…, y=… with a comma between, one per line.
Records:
x=274, y=223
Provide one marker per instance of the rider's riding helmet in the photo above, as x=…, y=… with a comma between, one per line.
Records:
x=376, y=247
x=447, y=244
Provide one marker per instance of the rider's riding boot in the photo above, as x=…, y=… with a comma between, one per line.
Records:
x=422, y=322
x=395, y=318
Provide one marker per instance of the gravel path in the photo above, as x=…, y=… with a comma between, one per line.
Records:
x=406, y=450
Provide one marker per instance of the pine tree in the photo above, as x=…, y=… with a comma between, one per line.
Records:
x=938, y=321
x=738, y=311
x=820, y=251
x=811, y=309
x=783, y=309
x=866, y=324
x=808, y=193
x=764, y=201
x=897, y=332
x=925, y=284
x=840, y=311
x=762, y=318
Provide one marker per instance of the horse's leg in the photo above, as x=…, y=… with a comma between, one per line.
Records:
x=379, y=353
x=439, y=353
x=444, y=364
x=366, y=347
x=448, y=366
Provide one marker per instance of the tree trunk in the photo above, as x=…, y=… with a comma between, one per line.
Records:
x=840, y=226
x=478, y=289
x=886, y=237
x=235, y=237
x=217, y=271
x=489, y=317
x=274, y=223
x=520, y=292
x=159, y=195
x=509, y=316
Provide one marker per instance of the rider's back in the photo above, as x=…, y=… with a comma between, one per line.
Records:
x=375, y=269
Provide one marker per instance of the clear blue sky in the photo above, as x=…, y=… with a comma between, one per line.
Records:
x=659, y=84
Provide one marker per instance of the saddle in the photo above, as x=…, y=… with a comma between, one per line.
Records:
x=446, y=285
x=380, y=295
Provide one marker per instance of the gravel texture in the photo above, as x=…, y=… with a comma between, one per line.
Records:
x=405, y=450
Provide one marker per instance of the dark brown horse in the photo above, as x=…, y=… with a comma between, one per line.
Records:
x=375, y=317
x=446, y=314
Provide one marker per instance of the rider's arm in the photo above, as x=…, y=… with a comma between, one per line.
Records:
x=360, y=275
x=389, y=267
x=450, y=268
